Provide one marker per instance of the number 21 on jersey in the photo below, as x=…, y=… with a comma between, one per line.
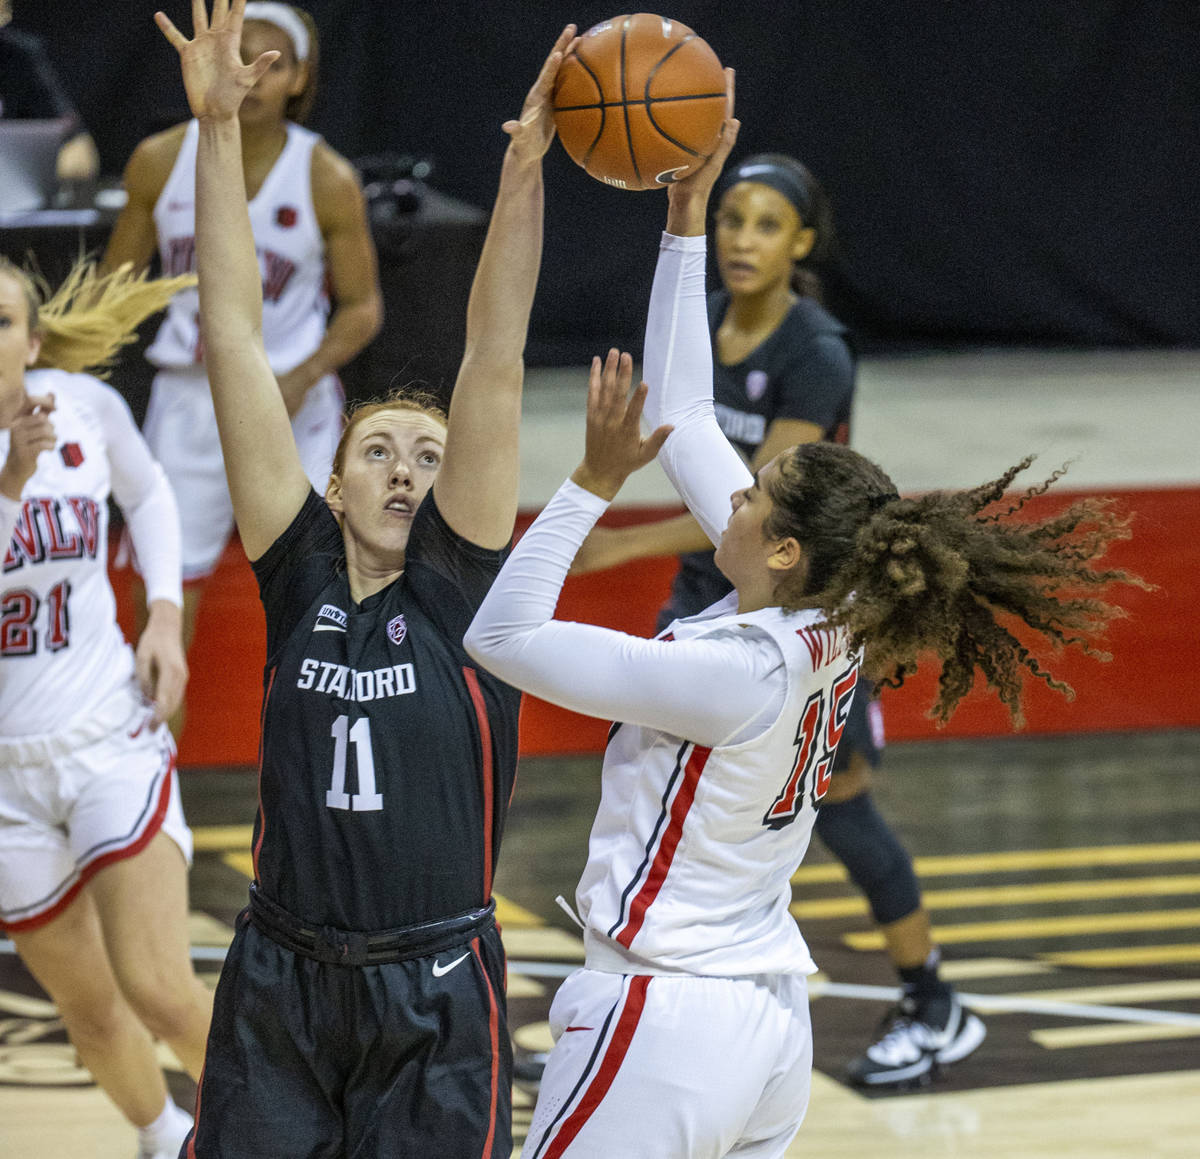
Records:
x=817, y=737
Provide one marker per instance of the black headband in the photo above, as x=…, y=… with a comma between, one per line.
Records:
x=763, y=171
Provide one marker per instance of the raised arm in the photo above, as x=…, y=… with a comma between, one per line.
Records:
x=266, y=480
x=596, y=670
x=476, y=489
x=697, y=458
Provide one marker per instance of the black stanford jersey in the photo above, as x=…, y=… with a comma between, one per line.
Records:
x=387, y=758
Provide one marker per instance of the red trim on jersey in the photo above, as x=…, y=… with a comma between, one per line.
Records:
x=191, y=1143
x=262, y=817
x=666, y=846
x=618, y=1047
x=113, y=855
x=485, y=745
x=494, y=1033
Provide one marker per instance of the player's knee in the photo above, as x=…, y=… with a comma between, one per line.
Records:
x=92, y=1013
x=857, y=835
x=164, y=1002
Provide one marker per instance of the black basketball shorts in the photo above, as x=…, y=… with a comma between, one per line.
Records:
x=319, y=1059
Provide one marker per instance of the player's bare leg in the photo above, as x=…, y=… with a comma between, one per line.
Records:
x=69, y=961
x=143, y=907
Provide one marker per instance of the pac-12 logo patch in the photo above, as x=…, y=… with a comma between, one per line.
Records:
x=756, y=385
x=72, y=454
x=397, y=629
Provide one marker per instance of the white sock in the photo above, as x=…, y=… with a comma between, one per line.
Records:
x=167, y=1132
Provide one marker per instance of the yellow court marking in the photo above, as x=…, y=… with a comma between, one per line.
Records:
x=242, y=862
x=1019, y=859
x=1038, y=893
x=1074, y=925
x=218, y=838
x=1122, y=994
x=1107, y=1034
x=968, y=969
x=1128, y=956
x=513, y=916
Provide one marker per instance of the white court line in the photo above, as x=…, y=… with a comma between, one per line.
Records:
x=984, y=1003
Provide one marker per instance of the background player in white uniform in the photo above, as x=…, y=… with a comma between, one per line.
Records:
x=310, y=229
x=687, y=1033
x=93, y=845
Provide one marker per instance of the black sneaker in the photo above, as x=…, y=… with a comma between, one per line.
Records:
x=914, y=1041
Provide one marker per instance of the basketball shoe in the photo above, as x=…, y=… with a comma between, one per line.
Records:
x=915, y=1040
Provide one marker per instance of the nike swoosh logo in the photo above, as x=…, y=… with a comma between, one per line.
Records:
x=439, y=969
x=667, y=176
x=327, y=628
x=570, y=1028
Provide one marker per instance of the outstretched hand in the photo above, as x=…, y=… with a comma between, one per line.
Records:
x=533, y=131
x=614, y=446
x=688, y=197
x=214, y=76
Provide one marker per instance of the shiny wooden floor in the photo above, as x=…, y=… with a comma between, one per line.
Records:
x=1063, y=875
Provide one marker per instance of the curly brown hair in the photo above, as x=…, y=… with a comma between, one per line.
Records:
x=949, y=573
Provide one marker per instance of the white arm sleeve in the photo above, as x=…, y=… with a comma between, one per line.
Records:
x=720, y=689
x=140, y=487
x=677, y=365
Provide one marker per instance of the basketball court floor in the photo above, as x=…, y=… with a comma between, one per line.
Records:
x=1062, y=869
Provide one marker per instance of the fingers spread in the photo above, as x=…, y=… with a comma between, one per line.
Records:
x=175, y=38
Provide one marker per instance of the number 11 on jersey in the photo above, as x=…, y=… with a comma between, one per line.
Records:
x=366, y=800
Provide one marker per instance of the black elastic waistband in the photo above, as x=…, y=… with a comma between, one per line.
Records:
x=355, y=948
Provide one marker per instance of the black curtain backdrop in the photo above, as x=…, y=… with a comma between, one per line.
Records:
x=1001, y=170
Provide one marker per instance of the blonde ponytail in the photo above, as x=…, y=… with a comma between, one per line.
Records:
x=86, y=321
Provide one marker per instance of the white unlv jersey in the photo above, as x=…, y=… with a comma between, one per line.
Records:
x=61, y=651
x=692, y=850
x=291, y=255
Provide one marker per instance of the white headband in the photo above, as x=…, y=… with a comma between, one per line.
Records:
x=282, y=16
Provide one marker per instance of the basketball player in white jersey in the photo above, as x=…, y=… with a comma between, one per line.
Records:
x=310, y=227
x=93, y=845
x=687, y=1032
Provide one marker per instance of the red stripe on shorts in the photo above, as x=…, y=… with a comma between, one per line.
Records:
x=485, y=745
x=618, y=1047
x=494, y=1032
x=666, y=847
x=113, y=855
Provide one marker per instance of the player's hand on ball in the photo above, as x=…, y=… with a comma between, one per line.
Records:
x=30, y=434
x=160, y=661
x=688, y=197
x=214, y=76
x=614, y=447
x=533, y=131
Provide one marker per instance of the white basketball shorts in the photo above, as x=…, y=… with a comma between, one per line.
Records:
x=181, y=429
x=665, y=1066
x=73, y=802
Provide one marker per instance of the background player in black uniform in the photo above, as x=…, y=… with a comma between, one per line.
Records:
x=783, y=373
x=361, y=1008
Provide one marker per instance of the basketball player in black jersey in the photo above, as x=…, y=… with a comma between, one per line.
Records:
x=361, y=1008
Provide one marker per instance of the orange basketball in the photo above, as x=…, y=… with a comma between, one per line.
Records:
x=640, y=101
